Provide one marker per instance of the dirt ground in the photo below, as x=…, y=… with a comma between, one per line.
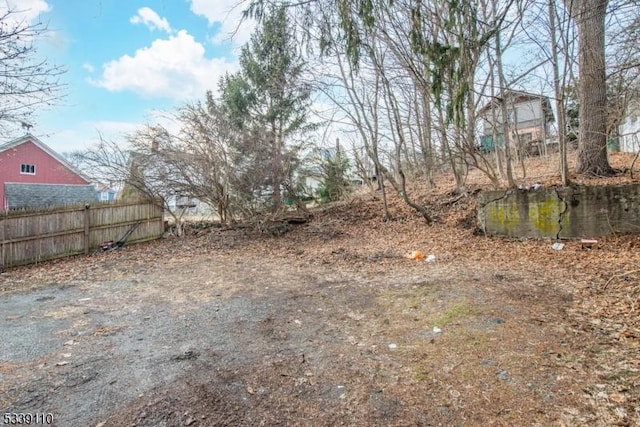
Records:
x=329, y=324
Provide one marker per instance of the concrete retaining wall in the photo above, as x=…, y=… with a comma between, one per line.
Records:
x=571, y=212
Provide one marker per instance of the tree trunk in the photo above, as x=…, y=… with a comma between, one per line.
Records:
x=589, y=16
x=506, y=125
x=277, y=171
x=559, y=97
x=426, y=143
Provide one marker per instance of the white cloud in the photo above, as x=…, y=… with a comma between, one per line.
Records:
x=22, y=13
x=228, y=13
x=24, y=10
x=85, y=135
x=170, y=68
x=56, y=39
x=151, y=19
x=88, y=67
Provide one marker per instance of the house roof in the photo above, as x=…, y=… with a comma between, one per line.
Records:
x=24, y=196
x=516, y=97
x=102, y=187
x=44, y=147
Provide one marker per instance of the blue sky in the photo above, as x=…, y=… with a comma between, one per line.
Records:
x=128, y=61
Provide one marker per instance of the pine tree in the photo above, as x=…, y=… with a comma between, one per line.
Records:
x=269, y=98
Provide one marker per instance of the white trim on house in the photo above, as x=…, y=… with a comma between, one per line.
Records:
x=27, y=169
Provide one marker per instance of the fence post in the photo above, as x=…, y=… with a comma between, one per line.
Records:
x=86, y=229
x=4, y=239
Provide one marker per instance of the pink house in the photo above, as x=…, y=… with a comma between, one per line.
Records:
x=33, y=175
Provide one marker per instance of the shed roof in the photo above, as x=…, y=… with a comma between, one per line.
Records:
x=516, y=97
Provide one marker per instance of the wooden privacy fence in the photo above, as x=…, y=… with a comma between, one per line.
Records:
x=37, y=235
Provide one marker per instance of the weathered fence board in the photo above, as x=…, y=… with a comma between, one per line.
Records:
x=37, y=235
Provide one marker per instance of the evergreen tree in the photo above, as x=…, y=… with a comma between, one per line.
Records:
x=269, y=99
x=335, y=183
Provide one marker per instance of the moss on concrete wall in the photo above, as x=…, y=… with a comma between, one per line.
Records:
x=571, y=212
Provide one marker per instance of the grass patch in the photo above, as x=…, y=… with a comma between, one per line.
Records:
x=422, y=370
x=475, y=339
x=458, y=311
x=421, y=298
x=622, y=375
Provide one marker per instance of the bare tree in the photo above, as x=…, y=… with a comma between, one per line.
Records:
x=140, y=169
x=558, y=88
x=552, y=37
x=206, y=156
x=358, y=96
x=204, y=161
x=27, y=82
x=106, y=163
x=623, y=62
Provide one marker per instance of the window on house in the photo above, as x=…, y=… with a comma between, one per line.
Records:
x=27, y=169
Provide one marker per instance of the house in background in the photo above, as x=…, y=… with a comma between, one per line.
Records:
x=106, y=193
x=629, y=129
x=313, y=173
x=529, y=116
x=33, y=175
